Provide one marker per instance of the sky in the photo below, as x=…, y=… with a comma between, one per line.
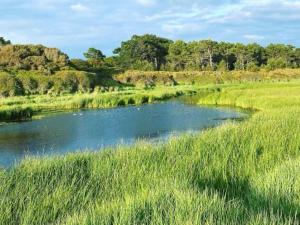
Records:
x=75, y=25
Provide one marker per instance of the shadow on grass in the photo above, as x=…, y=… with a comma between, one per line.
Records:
x=234, y=188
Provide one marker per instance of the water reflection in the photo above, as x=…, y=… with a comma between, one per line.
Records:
x=95, y=129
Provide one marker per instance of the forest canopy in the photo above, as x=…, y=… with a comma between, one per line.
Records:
x=153, y=53
x=149, y=52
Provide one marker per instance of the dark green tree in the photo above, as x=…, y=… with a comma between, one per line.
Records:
x=198, y=56
x=243, y=57
x=284, y=52
x=4, y=42
x=94, y=54
x=211, y=51
x=227, y=55
x=94, y=57
x=147, y=47
x=178, y=55
x=256, y=54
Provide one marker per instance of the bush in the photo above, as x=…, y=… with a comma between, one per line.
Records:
x=222, y=66
x=143, y=65
x=44, y=84
x=73, y=81
x=32, y=57
x=252, y=67
x=86, y=81
x=9, y=85
x=65, y=83
x=29, y=83
x=276, y=63
x=80, y=64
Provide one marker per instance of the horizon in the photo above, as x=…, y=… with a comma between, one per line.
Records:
x=104, y=26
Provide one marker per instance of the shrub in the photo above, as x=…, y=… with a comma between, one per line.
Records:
x=86, y=81
x=80, y=64
x=143, y=65
x=276, y=63
x=252, y=67
x=70, y=81
x=32, y=57
x=44, y=84
x=65, y=83
x=222, y=66
x=29, y=84
x=9, y=85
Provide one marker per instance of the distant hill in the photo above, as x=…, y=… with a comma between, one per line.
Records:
x=32, y=57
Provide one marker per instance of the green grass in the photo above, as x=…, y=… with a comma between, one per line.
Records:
x=239, y=173
x=208, y=77
x=24, y=107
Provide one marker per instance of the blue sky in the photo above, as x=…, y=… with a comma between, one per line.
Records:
x=75, y=25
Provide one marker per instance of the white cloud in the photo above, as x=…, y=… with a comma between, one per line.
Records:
x=176, y=14
x=79, y=7
x=292, y=4
x=56, y=22
x=146, y=3
x=178, y=28
x=254, y=37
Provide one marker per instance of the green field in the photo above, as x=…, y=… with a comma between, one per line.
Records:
x=239, y=173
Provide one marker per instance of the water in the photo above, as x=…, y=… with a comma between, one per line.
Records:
x=95, y=129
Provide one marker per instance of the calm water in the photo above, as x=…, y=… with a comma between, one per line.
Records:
x=95, y=129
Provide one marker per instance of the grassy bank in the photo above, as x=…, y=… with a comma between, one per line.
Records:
x=24, y=107
x=238, y=173
x=150, y=86
x=207, y=77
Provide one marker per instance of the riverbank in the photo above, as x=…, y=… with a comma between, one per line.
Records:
x=130, y=88
x=25, y=107
x=239, y=173
x=137, y=78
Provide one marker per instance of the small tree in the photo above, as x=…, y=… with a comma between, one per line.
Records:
x=94, y=54
x=276, y=63
x=222, y=66
x=9, y=85
x=95, y=57
x=4, y=42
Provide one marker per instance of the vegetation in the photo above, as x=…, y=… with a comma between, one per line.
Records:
x=71, y=89
x=24, y=82
x=142, y=78
x=238, y=173
x=94, y=54
x=32, y=57
x=24, y=107
x=35, y=69
x=4, y=42
x=149, y=52
x=147, y=49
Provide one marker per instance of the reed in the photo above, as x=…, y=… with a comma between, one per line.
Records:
x=25, y=107
x=239, y=173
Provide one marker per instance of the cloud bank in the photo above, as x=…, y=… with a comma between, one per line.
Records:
x=76, y=25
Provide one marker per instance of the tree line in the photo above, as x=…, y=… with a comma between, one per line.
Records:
x=150, y=52
x=35, y=69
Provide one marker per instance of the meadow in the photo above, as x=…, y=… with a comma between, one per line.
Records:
x=238, y=173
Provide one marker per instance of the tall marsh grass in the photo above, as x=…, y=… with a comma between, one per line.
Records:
x=24, y=107
x=207, y=77
x=239, y=173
